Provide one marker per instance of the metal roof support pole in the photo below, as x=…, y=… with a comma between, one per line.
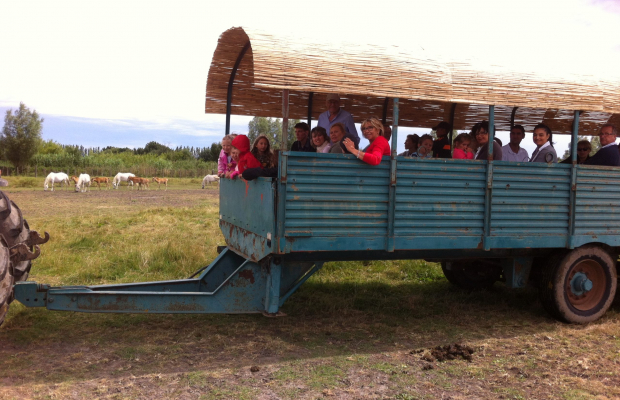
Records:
x=512, y=117
x=285, y=109
x=386, y=102
x=310, y=98
x=488, y=195
x=452, y=111
x=233, y=73
x=573, y=181
x=392, y=189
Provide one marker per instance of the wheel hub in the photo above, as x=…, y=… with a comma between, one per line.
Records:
x=580, y=284
x=585, y=286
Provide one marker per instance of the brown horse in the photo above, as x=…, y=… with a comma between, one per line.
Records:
x=99, y=180
x=160, y=181
x=139, y=181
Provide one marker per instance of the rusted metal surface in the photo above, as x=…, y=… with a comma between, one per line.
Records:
x=21, y=252
x=34, y=238
x=247, y=216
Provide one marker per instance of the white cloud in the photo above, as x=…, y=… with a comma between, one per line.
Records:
x=148, y=61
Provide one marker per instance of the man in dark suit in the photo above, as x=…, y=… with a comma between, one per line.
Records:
x=609, y=153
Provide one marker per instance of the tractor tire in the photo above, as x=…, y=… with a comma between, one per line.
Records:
x=14, y=267
x=6, y=280
x=470, y=276
x=579, y=286
x=15, y=230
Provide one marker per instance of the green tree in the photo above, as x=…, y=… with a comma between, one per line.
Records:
x=272, y=128
x=21, y=135
x=50, y=147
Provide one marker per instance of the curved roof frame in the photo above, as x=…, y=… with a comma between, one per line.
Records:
x=250, y=69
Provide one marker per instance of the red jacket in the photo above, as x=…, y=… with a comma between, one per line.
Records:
x=377, y=149
x=246, y=159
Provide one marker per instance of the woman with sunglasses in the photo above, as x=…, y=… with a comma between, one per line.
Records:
x=544, y=153
x=481, y=133
x=372, y=129
x=583, y=153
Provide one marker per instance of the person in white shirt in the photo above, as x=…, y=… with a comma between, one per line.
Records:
x=512, y=151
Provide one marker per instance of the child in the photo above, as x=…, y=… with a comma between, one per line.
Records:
x=225, y=163
x=246, y=158
x=234, y=154
x=425, y=146
x=262, y=151
x=461, y=147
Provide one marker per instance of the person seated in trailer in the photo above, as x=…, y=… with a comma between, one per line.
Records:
x=544, y=146
x=262, y=151
x=372, y=129
x=335, y=114
x=246, y=158
x=411, y=145
x=337, y=134
x=387, y=132
x=513, y=151
x=320, y=140
x=608, y=153
x=225, y=162
x=583, y=153
x=303, y=142
x=482, y=138
x=461, y=147
x=441, y=146
x=425, y=147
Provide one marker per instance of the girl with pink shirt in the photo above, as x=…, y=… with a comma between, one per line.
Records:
x=226, y=163
x=461, y=147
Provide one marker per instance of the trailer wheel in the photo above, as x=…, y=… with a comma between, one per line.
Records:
x=470, y=275
x=580, y=286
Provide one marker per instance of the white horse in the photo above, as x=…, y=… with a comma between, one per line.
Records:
x=122, y=177
x=83, y=183
x=210, y=178
x=56, y=177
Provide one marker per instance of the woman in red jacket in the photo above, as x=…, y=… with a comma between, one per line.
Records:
x=372, y=129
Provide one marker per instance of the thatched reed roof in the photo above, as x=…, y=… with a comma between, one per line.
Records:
x=365, y=75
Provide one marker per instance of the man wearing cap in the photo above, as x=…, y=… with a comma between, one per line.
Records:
x=335, y=114
x=608, y=153
x=441, y=145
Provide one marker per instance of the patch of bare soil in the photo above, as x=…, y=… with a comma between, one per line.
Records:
x=251, y=357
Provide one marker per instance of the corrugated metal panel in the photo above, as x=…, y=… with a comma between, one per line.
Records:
x=333, y=195
x=439, y=198
x=530, y=199
x=598, y=201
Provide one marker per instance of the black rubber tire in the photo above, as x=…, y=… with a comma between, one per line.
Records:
x=470, y=275
x=6, y=280
x=13, y=230
x=559, y=299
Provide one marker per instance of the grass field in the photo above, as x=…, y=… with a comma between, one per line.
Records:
x=353, y=331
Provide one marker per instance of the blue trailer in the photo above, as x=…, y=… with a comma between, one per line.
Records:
x=554, y=225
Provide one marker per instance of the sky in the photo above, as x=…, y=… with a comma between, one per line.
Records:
x=123, y=73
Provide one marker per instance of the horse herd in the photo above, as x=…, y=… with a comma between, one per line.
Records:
x=83, y=182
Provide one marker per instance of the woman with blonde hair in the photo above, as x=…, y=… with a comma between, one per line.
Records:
x=372, y=129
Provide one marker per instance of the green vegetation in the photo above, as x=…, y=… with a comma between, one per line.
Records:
x=21, y=135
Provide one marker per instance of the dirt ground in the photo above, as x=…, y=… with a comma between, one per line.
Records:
x=341, y=339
